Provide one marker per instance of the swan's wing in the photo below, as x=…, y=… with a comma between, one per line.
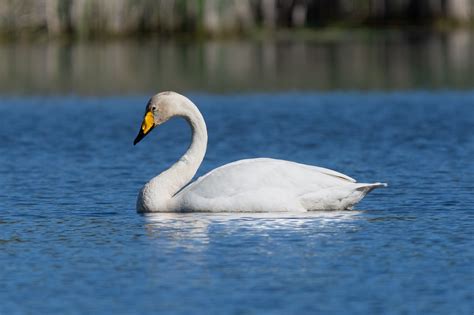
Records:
x=329, y=172
x=271, y=185
x=254, y=174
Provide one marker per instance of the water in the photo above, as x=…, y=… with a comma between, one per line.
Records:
x=326, y=60
x=71, y=242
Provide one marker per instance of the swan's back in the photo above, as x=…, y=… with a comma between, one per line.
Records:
x=269, y=185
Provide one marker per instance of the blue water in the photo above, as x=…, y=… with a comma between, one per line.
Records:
x=71, y=242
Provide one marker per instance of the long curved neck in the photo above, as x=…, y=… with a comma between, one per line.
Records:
x=183, y=171
x=180, y=173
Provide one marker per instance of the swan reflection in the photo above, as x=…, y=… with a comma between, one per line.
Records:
x=198, y=230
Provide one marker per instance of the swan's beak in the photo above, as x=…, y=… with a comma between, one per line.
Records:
x=147, y=125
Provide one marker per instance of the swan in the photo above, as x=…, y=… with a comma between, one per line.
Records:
x=250, y=185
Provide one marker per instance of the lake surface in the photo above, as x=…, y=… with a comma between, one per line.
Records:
x=324, y=60
x=72, y=243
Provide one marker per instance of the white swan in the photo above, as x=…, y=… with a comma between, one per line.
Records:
x=253, y=185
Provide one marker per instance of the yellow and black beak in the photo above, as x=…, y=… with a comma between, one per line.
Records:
x=147, y=125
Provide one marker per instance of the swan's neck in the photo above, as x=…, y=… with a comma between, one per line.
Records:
x=159, y=191
x=181, y=173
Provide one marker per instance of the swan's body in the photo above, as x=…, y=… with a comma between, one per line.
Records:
x=253, y=185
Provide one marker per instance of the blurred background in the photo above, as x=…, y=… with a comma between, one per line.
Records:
x=381, y=90
x=103, y=47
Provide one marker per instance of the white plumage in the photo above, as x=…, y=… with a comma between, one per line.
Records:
x=253, y=185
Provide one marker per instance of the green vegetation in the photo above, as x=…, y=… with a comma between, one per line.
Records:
x=93, y=18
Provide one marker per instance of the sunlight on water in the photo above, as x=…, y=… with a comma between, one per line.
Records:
x=197, y=226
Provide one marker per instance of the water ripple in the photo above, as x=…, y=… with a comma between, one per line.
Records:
x=71, y=242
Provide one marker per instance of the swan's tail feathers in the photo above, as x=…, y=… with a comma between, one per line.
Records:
x=366, y=188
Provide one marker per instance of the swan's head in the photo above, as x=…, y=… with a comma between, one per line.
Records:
x=159, y=109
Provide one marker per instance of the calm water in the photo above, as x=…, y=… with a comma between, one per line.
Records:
x=328, y=60
x=71, y=242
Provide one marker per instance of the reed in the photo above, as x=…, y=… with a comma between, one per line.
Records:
x=86, y=18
